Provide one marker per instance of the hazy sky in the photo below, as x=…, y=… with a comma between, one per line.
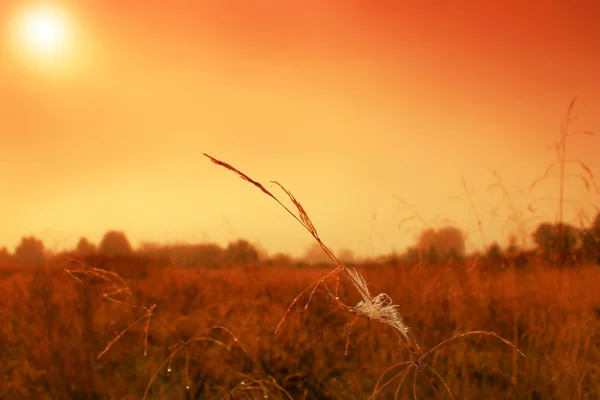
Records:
x=347, y=103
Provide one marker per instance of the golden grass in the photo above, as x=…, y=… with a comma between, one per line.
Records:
x=60, y=343
x=378, y=308
x=53, y=329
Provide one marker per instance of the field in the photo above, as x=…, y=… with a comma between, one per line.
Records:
x=53, y=329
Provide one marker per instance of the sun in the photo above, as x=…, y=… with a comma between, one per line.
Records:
x=44, y=30
x=43, y=33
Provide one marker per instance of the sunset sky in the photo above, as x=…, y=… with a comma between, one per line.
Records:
x=349, y=104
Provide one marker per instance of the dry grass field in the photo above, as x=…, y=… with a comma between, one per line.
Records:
x=53, y=329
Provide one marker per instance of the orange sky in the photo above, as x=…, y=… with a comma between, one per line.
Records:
x=347, y=103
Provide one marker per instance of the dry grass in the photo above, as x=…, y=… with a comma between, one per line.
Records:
x=171, y=338
x=50, y=353
x=379, y=308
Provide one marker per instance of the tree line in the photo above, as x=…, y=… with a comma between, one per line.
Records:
x=556, y=243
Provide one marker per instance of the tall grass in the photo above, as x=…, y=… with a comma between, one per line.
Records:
x=374, y=307
x=45, y=346
x=116, y=290
x=379, y=349
x=379, y=308
x=584, y=175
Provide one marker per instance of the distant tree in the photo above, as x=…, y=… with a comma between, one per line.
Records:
x=454, y=255
x=207, y=255
x=85, y=247
x=427, y=239
x=155, y=252
x=30, y=251
x=445, y=243
x=412, y=256
x=115, y=243
x=519, y=260
x=513, y=245
x=570, y=243
x=5, y=256
x=514, y=255
x=345, y=255
x=315, y=255
x=391, y=259
x=595, y=227
x=241, y=252
x=263, y=253
x=280, y=259
x=477, y=255
x=431, y=256
x=494, y=255
x=589, y=246
x=546, y=238
x=590, y=241
x=594, y=233
x=149, y=247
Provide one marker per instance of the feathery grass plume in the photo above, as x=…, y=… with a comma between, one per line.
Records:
x=379, y=307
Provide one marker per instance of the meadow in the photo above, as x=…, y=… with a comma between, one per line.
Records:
x=53, y=329
x=141, y=326
x=132, y=326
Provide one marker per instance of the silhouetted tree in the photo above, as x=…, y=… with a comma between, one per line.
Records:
x=445, y=243
x=596, y=224
x=431, y=256
x=5, y=256
x=520, y=259
x=115, y=243
x=392, y=259
x=30, y=251
x=412, y=256
x=513, y=246
x=494, y=255
x=263, y=253
x=84, y=248
x=514, y=255
x=590, y=241
x=207, y=255
x=454, y=255
x=155, y=252
x=594, y=233
x=546, y=237
x=241, y=252
x=315, y=255
x=345, y=255
x=280, y=259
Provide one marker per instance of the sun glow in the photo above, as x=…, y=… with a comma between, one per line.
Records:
x=43, y=33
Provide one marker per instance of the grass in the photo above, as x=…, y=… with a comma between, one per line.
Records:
x=51, y=354
x=166, y=333
x=59, y=346
x=379, y=308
